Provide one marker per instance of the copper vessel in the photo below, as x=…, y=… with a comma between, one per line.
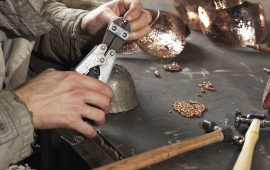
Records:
x=166, y=40
x=238, y=26
x=187, y=10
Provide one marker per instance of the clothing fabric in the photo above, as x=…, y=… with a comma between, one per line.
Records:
x=22, y=22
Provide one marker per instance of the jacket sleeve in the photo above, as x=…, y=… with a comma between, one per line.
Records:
x=16, y=129
x=63, y=42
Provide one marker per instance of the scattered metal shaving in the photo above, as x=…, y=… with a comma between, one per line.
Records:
x=157, y=74
x=205, y=86
x=266, y=70
x=174, y=67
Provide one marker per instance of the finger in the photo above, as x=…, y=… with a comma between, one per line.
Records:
x=98, y=100
x=84, y=128
x=140, y=33
x=144, y=20
x=92, y=113
x=134, y=10
x=109, y=15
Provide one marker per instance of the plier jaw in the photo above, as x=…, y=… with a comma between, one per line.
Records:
x=101, y=58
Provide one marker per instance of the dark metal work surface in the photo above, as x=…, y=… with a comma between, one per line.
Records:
x=239, y=79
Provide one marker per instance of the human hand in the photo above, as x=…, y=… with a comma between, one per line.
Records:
x=59, y=99
x=131, y=10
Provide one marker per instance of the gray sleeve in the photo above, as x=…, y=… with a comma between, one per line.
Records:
x=16, y=129
x=62, y=44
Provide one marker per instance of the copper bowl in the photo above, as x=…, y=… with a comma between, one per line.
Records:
x=237, y=26
x=187, y=10
x=166, y=40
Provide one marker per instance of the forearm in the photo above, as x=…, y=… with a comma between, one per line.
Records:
x=16, y=129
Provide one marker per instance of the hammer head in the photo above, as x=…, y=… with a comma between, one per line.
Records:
x=242, y=119
x=231, y=134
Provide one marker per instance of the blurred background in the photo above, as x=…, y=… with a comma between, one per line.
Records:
x=168, y=5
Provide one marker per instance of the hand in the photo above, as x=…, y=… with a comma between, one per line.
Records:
x=131, y=10
x=59, y=99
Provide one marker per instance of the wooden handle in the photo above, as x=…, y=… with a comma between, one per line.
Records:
x=163, y=153
x=263, y=49
x=245, y=158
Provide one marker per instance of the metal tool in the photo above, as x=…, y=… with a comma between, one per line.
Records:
x=230, y=133
x=242, y=119
x=148, y=158
x=98, y=63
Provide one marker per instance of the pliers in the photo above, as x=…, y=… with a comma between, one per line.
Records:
x=99, y=62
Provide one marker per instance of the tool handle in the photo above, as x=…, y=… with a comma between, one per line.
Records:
x=245, y=158
x=263, y=49
x=163, y=153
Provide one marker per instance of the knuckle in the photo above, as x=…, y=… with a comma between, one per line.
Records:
x=104, y=89
x=70, y=76
x=101, y=116
x=107, y=104
x=76, y=92
x=110, y=94
x=91, y=132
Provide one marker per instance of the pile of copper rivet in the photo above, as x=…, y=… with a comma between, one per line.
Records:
x=189, y=109
x=205, y=86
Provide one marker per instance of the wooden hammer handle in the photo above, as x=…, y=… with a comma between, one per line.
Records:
x=245, y=157
x=163, y=153
x=262, y=49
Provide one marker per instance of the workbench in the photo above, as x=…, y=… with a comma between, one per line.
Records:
x=237, y=74
x=239, y=79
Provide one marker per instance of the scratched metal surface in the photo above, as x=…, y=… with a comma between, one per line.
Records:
x=239, y=79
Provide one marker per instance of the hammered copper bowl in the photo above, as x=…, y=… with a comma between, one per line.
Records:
x=166, y=40
x=187, y=10
x=168, y=36
x=238, y=26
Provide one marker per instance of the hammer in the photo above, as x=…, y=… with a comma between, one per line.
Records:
x=255, y=121
x=151, y=157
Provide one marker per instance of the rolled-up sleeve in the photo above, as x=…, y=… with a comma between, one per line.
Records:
x=16, y=129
